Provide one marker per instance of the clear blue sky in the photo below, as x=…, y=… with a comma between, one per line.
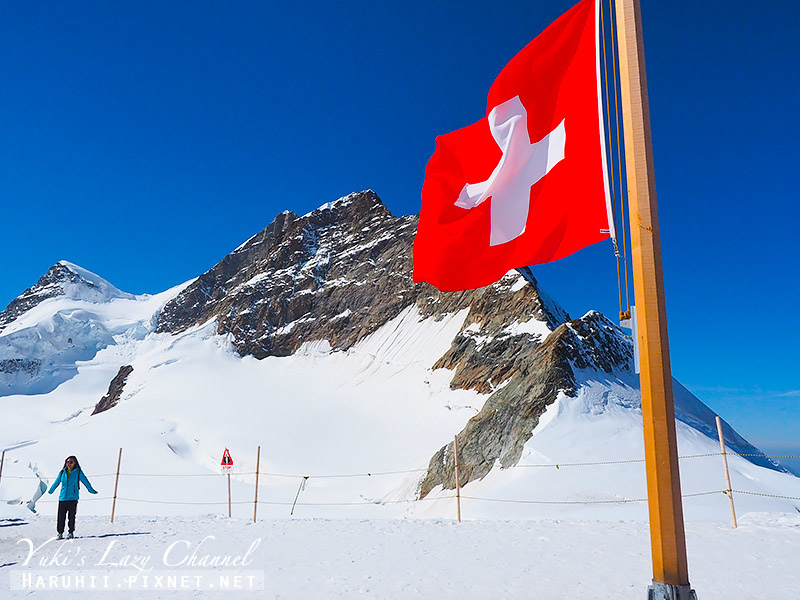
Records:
x=146, y=140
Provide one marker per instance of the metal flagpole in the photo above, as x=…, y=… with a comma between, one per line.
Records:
x=667, y=537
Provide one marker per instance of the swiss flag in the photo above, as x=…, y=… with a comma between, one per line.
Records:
x=527, y=183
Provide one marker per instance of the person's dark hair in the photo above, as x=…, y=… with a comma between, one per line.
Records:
x=75, y=464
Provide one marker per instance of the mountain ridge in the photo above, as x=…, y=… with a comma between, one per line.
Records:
x=329, y=281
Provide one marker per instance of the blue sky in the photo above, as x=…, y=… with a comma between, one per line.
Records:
x=144, y=141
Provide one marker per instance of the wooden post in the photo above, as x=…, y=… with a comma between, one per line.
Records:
x=255, y=500
x=667, y=536
x=116, y=485
x=458, y=485
x=728, y=491
x=2, y=462
x=229, y=495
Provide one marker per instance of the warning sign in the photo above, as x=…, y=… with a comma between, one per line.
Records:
x=227, y=461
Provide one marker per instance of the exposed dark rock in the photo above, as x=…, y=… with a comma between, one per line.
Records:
x=16, y=365
x=59, y=280
x=48, y=286
x=497, y=434
x=115, y=388
x=487, y=352
x=336, y=274
x=306, y=278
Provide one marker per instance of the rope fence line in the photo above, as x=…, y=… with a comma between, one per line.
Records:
x=411, y=501
x=414, y=500
x=556, y=465
x=580, y=464
x=766, y=455
x=55, y=501
x=262, y=473
x=614, y=499
x=617, y=501
x=767, y=495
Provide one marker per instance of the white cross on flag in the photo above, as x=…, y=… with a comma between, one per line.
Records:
x=527, y=183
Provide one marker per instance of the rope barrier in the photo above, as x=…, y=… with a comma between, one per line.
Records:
x=581, y=464
x=567, y=502
x=421, y=470
x=570, y=502
x=170, y=475
x=55, y=500
x=276, y=503
x=362, y=503
x=765, y=455
x=766, y=495
x=411, y=501
x=225, y=502
x=368, y=474
x=267, y=474
x=641, y=460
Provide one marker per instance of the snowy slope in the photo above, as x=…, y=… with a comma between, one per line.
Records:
x=375, y=413
x=318, y=559
x=312, y=342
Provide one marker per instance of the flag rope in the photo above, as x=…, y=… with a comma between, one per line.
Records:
x=612, y=176
x=619, y=159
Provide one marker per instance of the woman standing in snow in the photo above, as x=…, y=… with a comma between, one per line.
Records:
x=70, y=479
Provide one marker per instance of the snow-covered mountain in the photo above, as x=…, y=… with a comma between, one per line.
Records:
x=312, y=341
x=67, y=317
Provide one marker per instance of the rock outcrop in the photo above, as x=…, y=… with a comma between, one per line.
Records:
x=336, y=274
x=497, y=434
x=306, y=278
x=111, y=399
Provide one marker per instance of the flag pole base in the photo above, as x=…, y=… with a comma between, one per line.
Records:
x=665, y=591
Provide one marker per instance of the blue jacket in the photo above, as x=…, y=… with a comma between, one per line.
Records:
x=70, y=483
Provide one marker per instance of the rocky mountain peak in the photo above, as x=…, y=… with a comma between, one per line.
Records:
x=342, y=271
x=62, y=279
x=306, y=278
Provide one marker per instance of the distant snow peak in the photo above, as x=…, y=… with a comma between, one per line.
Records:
x=67, y=318
x=63, y=280
x=86, y=285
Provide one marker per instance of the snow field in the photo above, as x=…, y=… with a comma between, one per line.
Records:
x=362, y=426
x=375, y=409
x=314, y=559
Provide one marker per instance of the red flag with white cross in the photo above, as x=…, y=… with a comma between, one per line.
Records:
x=527, y=184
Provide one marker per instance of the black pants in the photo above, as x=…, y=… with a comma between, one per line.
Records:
x=66, y=508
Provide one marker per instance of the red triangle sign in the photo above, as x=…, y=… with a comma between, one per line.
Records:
x=227, y=461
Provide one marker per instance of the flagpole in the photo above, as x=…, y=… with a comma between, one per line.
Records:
x=667, y=537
